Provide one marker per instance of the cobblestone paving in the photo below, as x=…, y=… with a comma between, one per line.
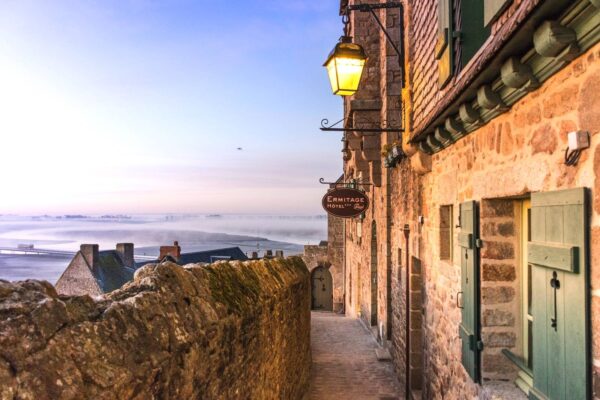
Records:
x=344, y=364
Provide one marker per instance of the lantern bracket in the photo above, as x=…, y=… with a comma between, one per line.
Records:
x=370, y=8
x=326, y=127
x=335, y=184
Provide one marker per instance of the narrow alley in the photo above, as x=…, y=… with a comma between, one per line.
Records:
x=344, y=363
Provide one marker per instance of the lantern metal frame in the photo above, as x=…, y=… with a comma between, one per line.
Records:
x=370, y=8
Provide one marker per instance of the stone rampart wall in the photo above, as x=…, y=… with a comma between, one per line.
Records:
x=227, y=331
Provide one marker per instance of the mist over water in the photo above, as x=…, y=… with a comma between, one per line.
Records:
x=148, y=233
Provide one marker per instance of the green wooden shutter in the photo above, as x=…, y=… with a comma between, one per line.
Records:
x=558, y=252
x=443, y=48
x=493, y=9
x=469, y=329
x=473, y=31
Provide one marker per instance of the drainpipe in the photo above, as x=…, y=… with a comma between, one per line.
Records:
x=407, y=313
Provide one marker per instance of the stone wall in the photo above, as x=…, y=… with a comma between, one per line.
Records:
x=335, y=255
x=236, y=330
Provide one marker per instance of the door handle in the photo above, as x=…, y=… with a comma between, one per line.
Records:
x=555, y=284
x=458, y=295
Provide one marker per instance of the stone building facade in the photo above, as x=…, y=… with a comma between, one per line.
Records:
x=479, y=260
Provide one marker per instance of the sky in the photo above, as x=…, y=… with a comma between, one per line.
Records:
x=139, y=106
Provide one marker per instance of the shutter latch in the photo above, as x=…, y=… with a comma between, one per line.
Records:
x=478, y=243
x=479, y=345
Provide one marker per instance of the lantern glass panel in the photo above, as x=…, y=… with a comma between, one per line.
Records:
x=344, y=74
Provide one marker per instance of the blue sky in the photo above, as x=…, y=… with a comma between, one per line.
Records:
x=139, y=105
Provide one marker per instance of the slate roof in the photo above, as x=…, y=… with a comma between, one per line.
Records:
x=207, y=256
x=110, y=273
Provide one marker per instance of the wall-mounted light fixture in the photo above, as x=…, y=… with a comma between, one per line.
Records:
x=345, y=66
x=346, y=61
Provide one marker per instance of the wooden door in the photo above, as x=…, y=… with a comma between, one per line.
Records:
x=558, y=252
x=322, y=289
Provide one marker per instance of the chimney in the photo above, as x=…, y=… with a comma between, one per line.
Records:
x=125, y=251
x=173, y=251
x=90, y=254
x=279, y=253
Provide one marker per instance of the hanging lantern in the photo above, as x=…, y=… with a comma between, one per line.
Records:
x=345, y=67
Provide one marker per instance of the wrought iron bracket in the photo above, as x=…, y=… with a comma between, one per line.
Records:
x=370, y=8
x=326, y=127
x=322, y=182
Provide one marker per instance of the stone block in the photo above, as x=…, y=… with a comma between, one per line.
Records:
x=498, y=318
x=371, y=142
x=416, y=376
x=499, y=339
x=497, y=363
x=588, y=105
x=416, y=340
x=415, y=282
x=499, y=272
x=505, y=229
x=498, y=250
x=497, y=208
x=365, y=105
x=416, y=318
x=560, y=102
x=497, y=295
x=527, y=115
x=544, y=140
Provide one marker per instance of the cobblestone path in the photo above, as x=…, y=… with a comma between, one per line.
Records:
x=344, y=364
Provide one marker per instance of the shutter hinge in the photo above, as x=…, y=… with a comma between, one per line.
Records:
x=478, y=243
x=479, y=345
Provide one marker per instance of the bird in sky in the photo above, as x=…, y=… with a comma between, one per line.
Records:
x=239, y=148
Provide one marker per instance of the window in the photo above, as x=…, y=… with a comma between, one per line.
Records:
x=446, y=233
x=461, y=33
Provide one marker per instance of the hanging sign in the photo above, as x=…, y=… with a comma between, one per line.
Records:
x=345, y=202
